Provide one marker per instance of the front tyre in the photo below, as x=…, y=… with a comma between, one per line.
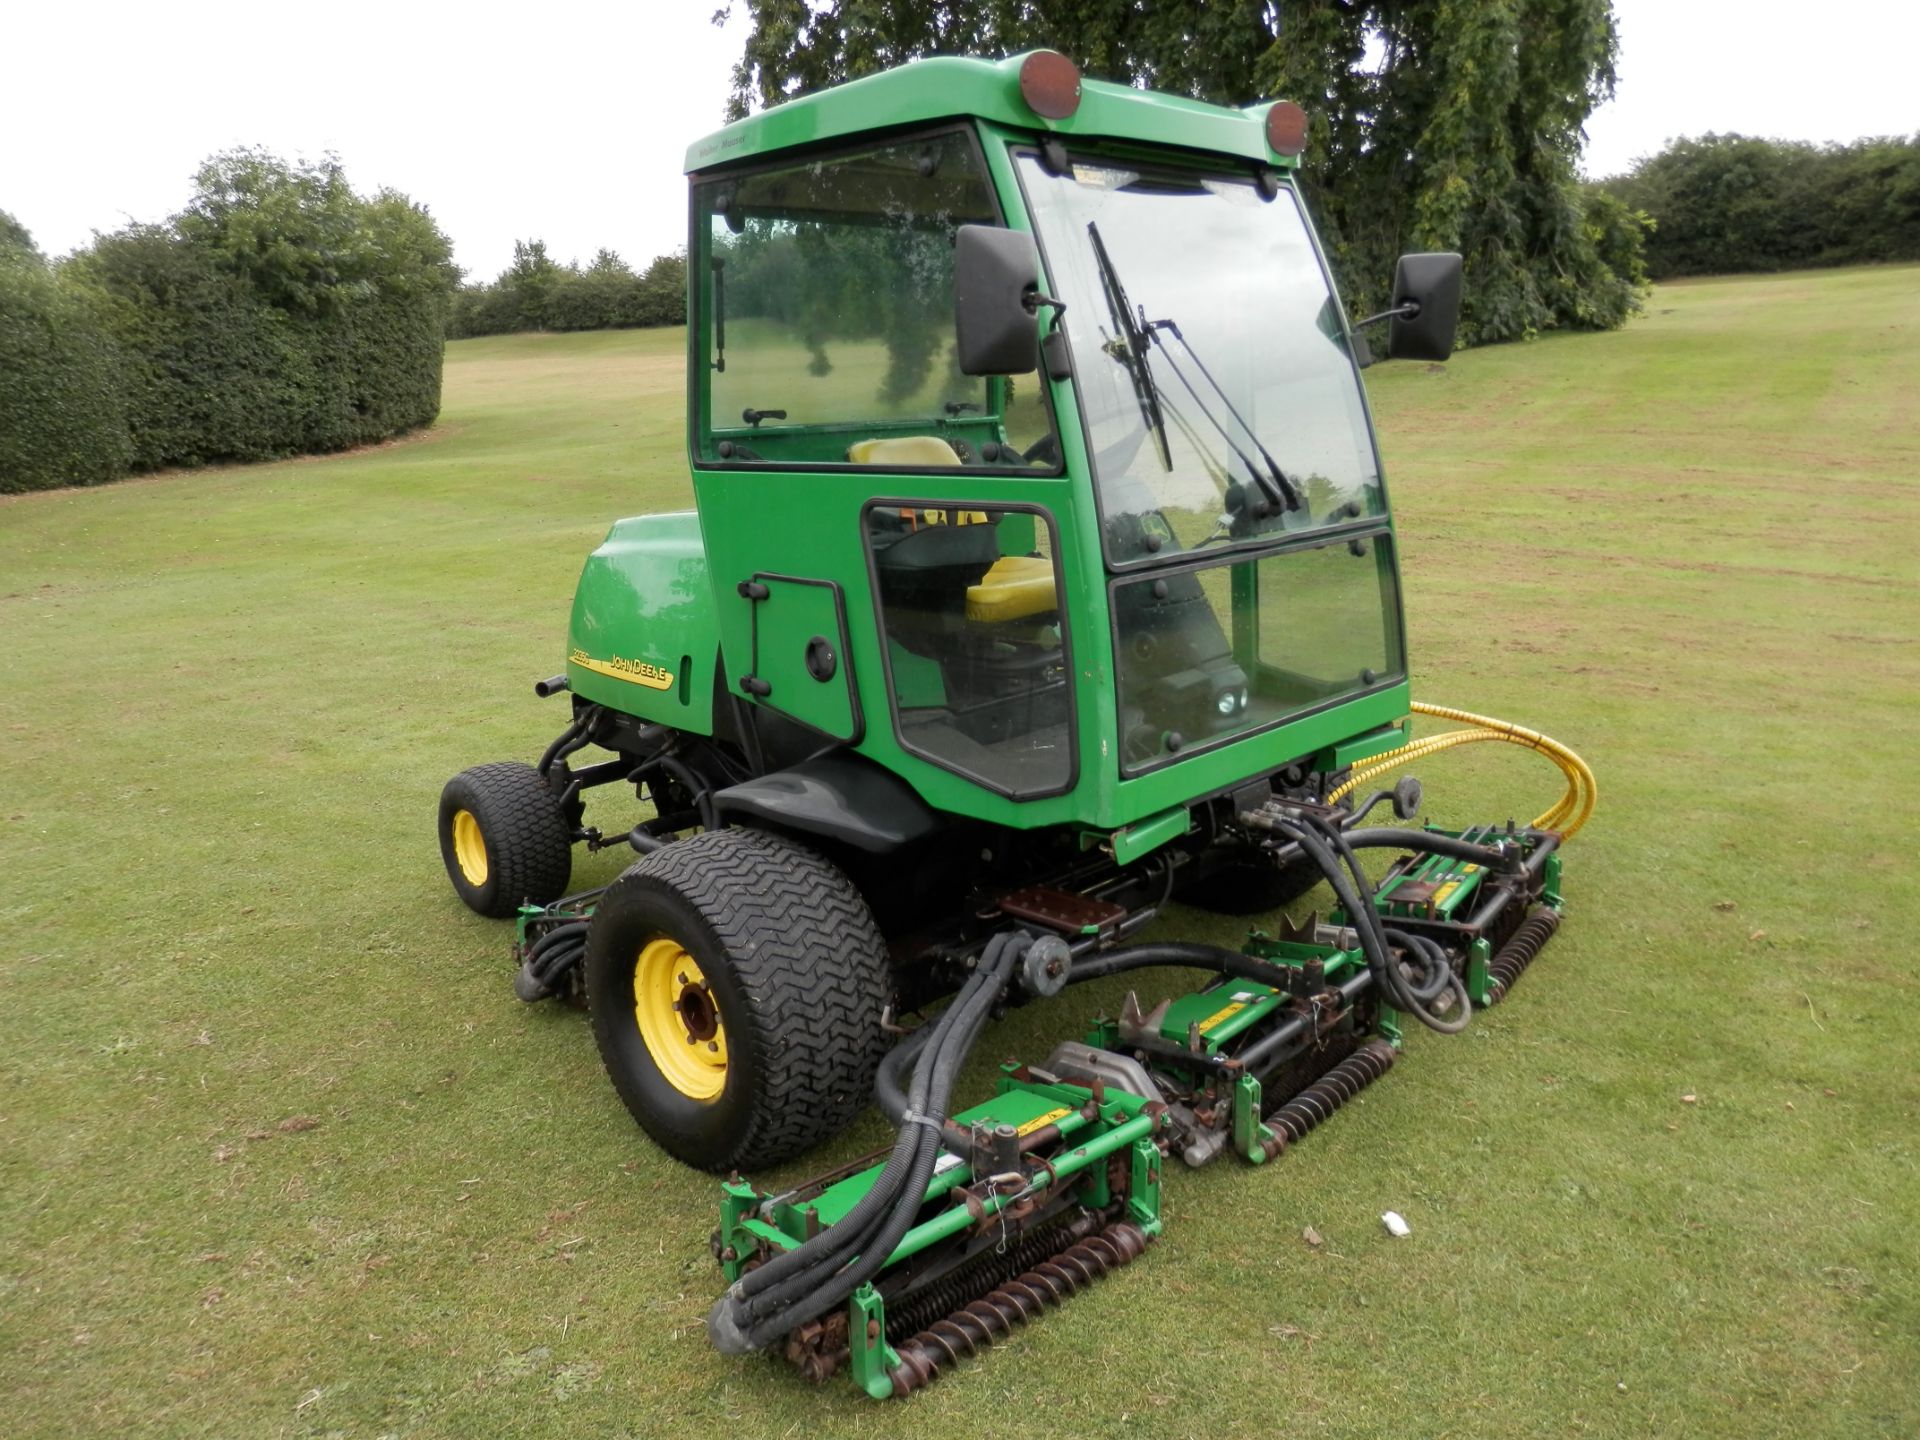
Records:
x=503, y=839
x=736, y=981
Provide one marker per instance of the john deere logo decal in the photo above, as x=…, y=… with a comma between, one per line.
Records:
x=635, y=672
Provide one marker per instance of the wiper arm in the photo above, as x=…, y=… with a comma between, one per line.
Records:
x=1136, y=340
x=1273, y=482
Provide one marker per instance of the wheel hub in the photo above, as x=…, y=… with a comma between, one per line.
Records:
x=469, y=848
x=677, y=1017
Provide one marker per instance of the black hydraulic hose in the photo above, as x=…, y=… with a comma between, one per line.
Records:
x=946, y=1065
x=803, y=1282
x=568, y=741
x=1425, y=841
x=1180, y=954
x=1426, y=954
x=701, y=791
x=889, y=1094
x=1366, y=921
x=757, y=1281
x=775, y=1311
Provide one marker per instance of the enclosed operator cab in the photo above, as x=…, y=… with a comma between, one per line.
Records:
x=1128, y=548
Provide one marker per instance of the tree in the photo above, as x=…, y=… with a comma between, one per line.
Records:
x=15, y=236
x=1728, y=203
x=528, y=284
x=1436, y=124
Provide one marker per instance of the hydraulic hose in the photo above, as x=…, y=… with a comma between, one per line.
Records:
x=870, y=1206
x=1182, y=954
x=1573, y=809
x=1349, y=882
x=794, y=1287
x=935, y=1075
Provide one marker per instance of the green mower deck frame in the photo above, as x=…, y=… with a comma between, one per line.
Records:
x=1041, y=572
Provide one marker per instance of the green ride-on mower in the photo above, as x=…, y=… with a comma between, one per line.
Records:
x=1042, y=572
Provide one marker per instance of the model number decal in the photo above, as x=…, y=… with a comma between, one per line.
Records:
x=1046, y=1119
x=636, y=672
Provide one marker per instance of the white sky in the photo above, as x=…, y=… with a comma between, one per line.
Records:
x=568, y=121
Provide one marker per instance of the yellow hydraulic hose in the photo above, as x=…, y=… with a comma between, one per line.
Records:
x=1567, y=816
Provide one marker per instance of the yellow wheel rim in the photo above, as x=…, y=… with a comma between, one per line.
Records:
x=679, y=1020
x=469, y=849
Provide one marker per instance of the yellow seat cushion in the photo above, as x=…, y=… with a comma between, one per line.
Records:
x=1017, y=587
x=903, y=450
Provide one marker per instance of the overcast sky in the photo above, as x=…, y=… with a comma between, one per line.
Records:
x=568, y=121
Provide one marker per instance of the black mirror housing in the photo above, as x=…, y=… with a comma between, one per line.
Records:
x=1427, y=288
x=996, y=273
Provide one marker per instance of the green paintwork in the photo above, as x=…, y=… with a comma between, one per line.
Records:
x=1249, y=1134
x=1120, y=1122
x=1365, y=747
x=944, y=88
x=870, y=1354
x=1448, y=886
x=1479, y=982
x=644, y=596
x=1219, y=1013
x=789, y=620
x=1150, y=834
x=687, y=606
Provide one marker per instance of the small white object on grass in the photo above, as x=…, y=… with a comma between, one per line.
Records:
x=1396, y=1225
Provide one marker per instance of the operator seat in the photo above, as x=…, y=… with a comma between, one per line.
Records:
x=903, y=450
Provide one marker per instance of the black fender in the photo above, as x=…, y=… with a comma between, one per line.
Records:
x=840, y=797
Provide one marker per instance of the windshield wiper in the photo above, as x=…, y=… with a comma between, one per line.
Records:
x=1273, y=482
x=1136, y=340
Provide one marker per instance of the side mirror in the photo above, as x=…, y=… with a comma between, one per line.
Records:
x=995, y=274
x=1426, y=307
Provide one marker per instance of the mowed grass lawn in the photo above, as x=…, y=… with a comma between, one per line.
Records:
x=280, y=1154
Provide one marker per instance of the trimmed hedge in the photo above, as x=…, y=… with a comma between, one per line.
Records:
x=535, y=293
x=279, y=314
x=1722, y=204
x=62, y=416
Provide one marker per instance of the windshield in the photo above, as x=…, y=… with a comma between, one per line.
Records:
x=1220, y=402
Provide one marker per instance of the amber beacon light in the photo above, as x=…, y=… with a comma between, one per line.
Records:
x=1286, y=128
x=1050, y=84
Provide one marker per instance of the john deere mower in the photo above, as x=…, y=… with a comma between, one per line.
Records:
x=1042, y=572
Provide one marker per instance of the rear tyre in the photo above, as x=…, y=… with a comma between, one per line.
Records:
x=736, y=981
x=1233, y=886
x=503, y=839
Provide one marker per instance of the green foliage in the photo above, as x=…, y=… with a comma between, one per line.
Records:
x=535, y=293
x=278, y=313
x=1729, y=203
x=14, y=236
x=61, y=416
x=1463, y=136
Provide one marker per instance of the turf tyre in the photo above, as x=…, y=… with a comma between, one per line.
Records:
x=526, y=838
x=797, y=972
x=1245, y=887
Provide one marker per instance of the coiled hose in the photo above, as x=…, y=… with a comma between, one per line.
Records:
x=764, y=1304
x=1423, y=973
x=1572, y=810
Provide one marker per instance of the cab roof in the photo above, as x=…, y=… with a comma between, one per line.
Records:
x=944, y=88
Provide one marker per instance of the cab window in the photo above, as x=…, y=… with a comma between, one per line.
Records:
x=826, y=313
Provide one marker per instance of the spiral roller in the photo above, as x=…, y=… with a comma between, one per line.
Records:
x=986, y=1272
x=975, y=1326
x=1518, y=953
x=1316, y=1103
